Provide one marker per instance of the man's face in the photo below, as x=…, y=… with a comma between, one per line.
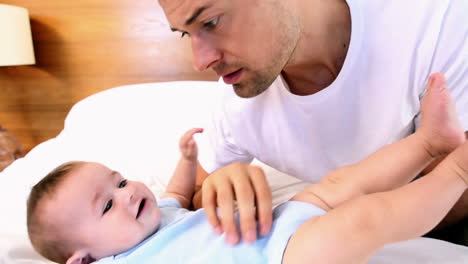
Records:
x=246, y=42
x=105, y=213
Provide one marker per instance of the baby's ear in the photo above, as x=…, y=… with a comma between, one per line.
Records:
x=80, y=257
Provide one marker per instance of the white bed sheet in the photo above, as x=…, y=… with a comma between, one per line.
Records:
x=135, y=129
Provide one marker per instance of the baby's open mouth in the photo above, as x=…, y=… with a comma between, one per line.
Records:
x=140, y=208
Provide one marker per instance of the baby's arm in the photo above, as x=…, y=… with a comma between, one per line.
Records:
x=182, y=184
x=350, y=233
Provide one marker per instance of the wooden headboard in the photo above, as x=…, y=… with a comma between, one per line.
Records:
x=83, y=47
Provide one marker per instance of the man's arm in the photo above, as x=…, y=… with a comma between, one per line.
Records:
x=182, y=184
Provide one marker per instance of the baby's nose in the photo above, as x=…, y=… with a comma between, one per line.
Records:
x=127, y=195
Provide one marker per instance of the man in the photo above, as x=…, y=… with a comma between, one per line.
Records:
x=316, y=85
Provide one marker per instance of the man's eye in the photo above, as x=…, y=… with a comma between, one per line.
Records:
x=212, y=23
x=108, y=206
x=123, y=184
x=184, y=34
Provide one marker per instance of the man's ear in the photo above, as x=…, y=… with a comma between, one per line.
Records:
x=80, y=257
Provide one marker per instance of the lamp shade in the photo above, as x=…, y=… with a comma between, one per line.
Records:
x=16, y=46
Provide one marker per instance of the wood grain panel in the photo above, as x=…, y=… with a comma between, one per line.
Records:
x=83, y=47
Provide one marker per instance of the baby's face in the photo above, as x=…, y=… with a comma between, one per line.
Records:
x=105, y=212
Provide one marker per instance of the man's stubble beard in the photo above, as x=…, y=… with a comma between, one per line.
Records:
x=254, y=86
x=262, y=79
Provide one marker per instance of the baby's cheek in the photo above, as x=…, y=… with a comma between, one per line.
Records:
x=157, y=218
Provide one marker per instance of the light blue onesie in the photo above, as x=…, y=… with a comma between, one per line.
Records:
x=187, y=237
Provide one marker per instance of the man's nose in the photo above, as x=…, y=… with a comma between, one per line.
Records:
x=205, y=54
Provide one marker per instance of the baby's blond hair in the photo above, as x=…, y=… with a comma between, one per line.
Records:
x=44, y=236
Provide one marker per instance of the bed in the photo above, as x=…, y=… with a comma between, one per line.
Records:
x=135, y=130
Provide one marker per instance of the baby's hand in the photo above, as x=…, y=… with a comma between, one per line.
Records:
x=187, y=145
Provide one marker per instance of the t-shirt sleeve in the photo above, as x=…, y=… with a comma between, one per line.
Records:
x=217, y=145
x=169, y=202
x=451, y=56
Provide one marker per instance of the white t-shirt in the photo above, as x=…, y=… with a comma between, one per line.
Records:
x=375, y=100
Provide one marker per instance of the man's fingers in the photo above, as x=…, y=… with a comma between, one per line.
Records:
x=246, y=206
x=225, y=200
x=209, y=204
x=263, y=197
x=248, y=184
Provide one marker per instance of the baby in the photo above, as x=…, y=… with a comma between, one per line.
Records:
x=84, y=212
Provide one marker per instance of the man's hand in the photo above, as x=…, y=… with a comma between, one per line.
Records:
x=246, y=184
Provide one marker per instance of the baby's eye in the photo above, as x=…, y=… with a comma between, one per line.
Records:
x=108, y=206
x=184, y=34
x=123, y=184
